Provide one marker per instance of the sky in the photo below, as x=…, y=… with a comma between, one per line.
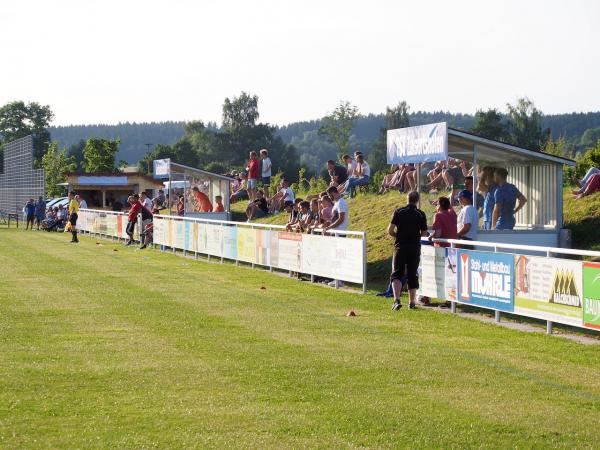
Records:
x=115, y=61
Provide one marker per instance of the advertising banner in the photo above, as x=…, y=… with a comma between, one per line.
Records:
x=432, y=276
x=178, y=234
x=333, y=257
x=591, y=295
x=451, y=273
x=246, y=244
x=289, y=247
x=160, y=229
x=229, y=242
x=120, y=226
x=549, y=289
x=424, y=143
x=263, y=239
x=486, y=279
x=201, y=237
x=161, y=168
x=214, y=239
x=111, y=225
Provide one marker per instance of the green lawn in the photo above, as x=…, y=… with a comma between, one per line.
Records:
x=140, y=349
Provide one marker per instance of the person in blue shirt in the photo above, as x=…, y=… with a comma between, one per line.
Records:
x=506, y=197
x=487, y=187
x=30, y=213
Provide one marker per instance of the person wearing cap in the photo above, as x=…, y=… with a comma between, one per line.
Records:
x=467, y=223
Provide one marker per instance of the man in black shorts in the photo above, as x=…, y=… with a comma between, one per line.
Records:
x=407, y=226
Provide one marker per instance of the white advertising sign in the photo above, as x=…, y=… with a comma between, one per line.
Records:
x=433, y=272
x=161, y=168
x=424, y=143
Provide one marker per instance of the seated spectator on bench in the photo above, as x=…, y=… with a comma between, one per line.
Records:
x=218, y=204
x=361, y=177
x=337, y=174
x=257, y=208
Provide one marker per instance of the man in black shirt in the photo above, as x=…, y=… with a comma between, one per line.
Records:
x=338, y=174
x=257, y=208
x=407, y=226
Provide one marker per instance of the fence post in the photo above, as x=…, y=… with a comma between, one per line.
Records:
x=549, y=326
x=453, y=307
x=497, y=316
x=364, y=246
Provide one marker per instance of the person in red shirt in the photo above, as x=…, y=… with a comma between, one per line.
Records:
x=132, y=217
x=444, y=222
x=252, y=168
x=219, y=204
x=202, y=200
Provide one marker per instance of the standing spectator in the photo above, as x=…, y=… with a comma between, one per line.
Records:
x=337, y=174
x=505, y=199
x=29, y=213
x=132, y=216
x=145, y=201
x=468, y=220
x=253, y=169
x=155, y=207
x=40, y=211
x=117, y=206
x=487, y=188
x=161, y=198
x=82, y=203
x=73, y=213
x=266, y=171
x=444, y=222
x=407, y=226
x=181, y=206
x=218, y=207
x=146, y=228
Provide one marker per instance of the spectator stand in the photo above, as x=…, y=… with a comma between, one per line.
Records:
x=180, y=180
x=538, y=175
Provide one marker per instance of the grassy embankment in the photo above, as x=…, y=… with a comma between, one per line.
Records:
x=371, y=213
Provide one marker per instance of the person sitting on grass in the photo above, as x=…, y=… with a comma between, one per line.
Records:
x=284, y=194
x=239, y=190
x=592, y=185
x=218, y=207
x=583, y=183
x=389, y=180
x=257, y=208
x=294, y=215
x=304, y=217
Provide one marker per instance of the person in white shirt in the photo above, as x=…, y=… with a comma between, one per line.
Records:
x=284, y=194
x=340, y=219
x=467, y=223
x=145, y=201
x=266, y=172
x=81, y=201
x=361, y=176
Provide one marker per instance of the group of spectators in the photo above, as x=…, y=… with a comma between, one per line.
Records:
x=355, y=173
x=53, y=218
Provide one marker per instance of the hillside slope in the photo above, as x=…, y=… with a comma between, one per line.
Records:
x=371, y=213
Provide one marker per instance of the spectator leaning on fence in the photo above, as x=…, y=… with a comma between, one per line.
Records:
x=132, y=216
x=407, y=226
x=467, y=222
x=145, y=201
x=444, y=222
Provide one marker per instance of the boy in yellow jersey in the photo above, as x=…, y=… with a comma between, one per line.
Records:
x=73, y=211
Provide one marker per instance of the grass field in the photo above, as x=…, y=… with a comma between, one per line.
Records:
x=141, y=349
